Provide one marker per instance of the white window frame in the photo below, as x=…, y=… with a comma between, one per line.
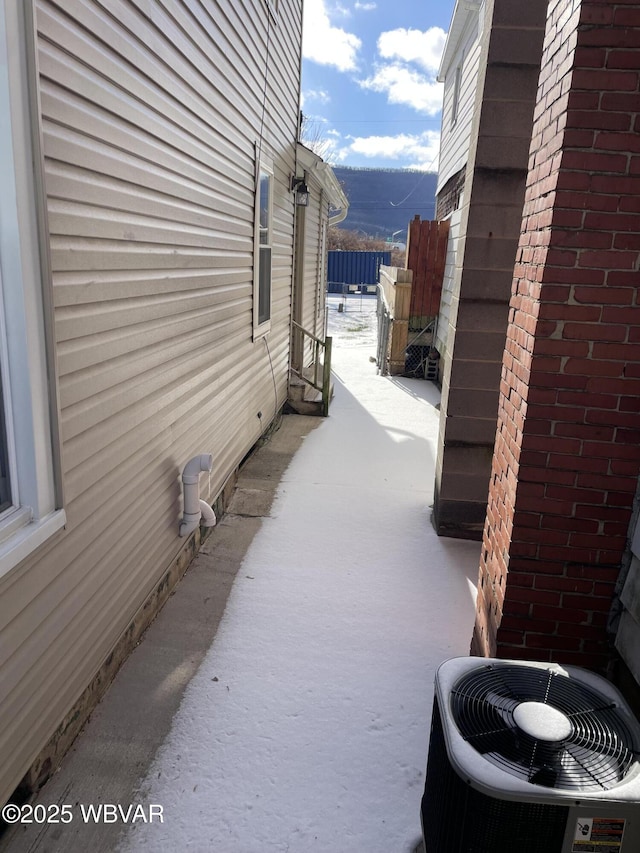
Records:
x=455, y=104
x=263, y=242
x=28, y=380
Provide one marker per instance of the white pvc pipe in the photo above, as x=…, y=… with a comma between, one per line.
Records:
x=208, y=515
x=192, y=512
x=193, y=468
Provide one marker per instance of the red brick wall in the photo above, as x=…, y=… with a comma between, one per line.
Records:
x=567, y=453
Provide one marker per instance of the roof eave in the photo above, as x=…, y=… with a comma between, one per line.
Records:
x=462, y=12
x=325, y=175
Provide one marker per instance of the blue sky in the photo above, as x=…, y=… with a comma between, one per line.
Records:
x=369, y=85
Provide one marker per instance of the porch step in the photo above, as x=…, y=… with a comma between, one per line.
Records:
x=298, y=388
x=304, y=399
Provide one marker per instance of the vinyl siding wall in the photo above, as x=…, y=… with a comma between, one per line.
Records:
x=311, y=258
x=445, y=330
x=315, y=260
x=151, y=112
x=454, y=152
x=456, y=136
x=627, y=639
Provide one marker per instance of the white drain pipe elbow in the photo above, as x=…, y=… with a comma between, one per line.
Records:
x=193, y=512
x=208, y=518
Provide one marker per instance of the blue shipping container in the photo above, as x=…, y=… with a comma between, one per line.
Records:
x=345, y=268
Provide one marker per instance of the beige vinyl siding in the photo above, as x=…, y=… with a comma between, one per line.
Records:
x=311, y=273
x=314, y=259
x=321, y=281
x=151, y=112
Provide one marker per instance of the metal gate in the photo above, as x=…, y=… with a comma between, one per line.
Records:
x=385, y=322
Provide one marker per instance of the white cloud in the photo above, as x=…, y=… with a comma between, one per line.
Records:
x=424, y=48
x=421, y=149
x=364, y=7
x=321, y=96
x=341, y=11
x=404, y=73
x=407, y=71
x=403, y=85
x=324, y=43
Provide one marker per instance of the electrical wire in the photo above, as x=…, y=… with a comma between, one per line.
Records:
x=425, y=172
x=415, y=186
x=276, y=423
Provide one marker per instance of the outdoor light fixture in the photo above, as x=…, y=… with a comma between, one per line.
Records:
x=301, y=190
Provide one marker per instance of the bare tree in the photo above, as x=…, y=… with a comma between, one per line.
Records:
x=356, y=241
x=312, y=135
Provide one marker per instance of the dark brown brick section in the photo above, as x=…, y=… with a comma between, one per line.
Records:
x=448, y=198
x=567, y=454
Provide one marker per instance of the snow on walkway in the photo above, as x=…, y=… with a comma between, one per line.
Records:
x=306, y=727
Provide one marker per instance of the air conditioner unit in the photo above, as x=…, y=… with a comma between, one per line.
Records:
x=530, y=758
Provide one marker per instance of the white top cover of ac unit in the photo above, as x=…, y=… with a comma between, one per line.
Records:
x=486, y=776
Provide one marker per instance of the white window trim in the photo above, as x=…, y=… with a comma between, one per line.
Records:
x=263, y=167
x=457, y=83
x=25, y=347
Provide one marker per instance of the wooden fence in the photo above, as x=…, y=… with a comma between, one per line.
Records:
x=426, y=255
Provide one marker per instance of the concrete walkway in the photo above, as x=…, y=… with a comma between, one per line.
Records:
x=321, y=681
x=116, y=747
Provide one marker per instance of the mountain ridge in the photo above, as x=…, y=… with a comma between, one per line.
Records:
x=384, y=201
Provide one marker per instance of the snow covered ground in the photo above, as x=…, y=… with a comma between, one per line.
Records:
x=306, y=727
x=354, y=325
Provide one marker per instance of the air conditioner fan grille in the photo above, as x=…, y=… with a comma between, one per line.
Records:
x=595, y=756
